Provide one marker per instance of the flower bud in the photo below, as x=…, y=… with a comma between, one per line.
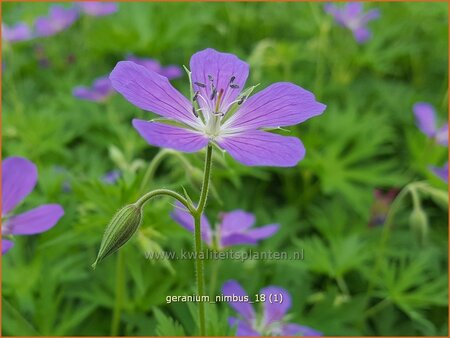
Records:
x=418, y=221
x=122, y=226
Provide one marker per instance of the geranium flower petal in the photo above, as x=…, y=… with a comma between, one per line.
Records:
x=281, y=104
x=299, y=330
x=6, y=245
x=185, y=219
x=243, y=328
x=245, y=309
x=425, y=118
x=441, y=172
x=221, y=67
x=353, y=9
x=373, y=14
x=150, y=91
x=236, y=221
x=275, y=311
x=35, y=221
x=236, y=239
x=19, y=176
x=168, y=136
x=263, y=232
x=259, y=148
x=361, y=34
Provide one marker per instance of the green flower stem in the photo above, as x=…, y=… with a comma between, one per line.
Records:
x=120, y=285
x=197, y=214
x=214, y=273
x=161, y=192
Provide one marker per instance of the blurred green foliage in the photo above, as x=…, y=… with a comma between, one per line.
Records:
x=354, y=280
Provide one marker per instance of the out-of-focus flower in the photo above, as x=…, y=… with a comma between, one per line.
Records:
x=381, y=206
x=276, y=304
x=352, y=16
x=234, y=228
x=16, y=33
x=426, y=122
x=19, y=176
x=111, y=177
x=100, y=91
x=219, y=112
x=441, y=172
x=58, y=19
x=98, y=8
x=171, y=71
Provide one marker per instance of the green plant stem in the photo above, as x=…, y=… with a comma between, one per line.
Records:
x=161, y=192
x=197, y=214
x=120, y=283
x=214, y=273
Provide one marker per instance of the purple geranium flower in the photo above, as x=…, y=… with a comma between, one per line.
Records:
x=111, y=177
x=272, y=322
x=98, y=8
x=235, y=227
x=100, y=91
x=426, y=122
x=441, y=172
x=352, y=17
x=171, y=71
x=219, y=111
x=19, y=176
x=59, y=19
x=18, y=32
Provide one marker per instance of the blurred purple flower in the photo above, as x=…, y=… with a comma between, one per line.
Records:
x=111, y=177
x=171, y=71
x=235, y=227
x=381, y=206
x=16, y=33
x=441, y=172
x=351, y=16
x=59, y=19
x=97, y=8
x=272, y=322
x=218, y=112
x=426, y=122
x=100, y=91
x=19, y=176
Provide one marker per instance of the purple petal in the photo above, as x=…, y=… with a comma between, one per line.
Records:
x=111, y=177
x=59, y=19
x=236, y=239
x=441, y=172
x=442, y=135
x=221, y=68
x=34, y=221
x=236, y=221
x=361, y=34
x=150, y=91
x=6, y=245
x=425, y=118
x=275, y=311
x=245, y=309
x=18, y=32
x=281, y=104
x=19, y=176
x=182, y=216
x=299, y=330
x=98, y=8
x=100, y=91
x=353, y=10
x=168, y=136
x=243, y=328
x=264, y=231
x=258, y=148
x=373, y=14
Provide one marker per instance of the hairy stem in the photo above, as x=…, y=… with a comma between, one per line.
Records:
x=161, y=192
x=199, y=264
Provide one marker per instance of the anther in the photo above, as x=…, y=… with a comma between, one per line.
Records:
x=241, y=100
x=210, y=78
x=195, y=96
x=234, y=86
x=232, y=79
x=213, y=94
x=200, y=84
x=194, y=112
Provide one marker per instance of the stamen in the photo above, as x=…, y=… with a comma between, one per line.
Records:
x=234, y=86
x=200, y=84
x=195, y=96
x=194, y=112
x=213, y=94
x=210, y=78
x=241, y=100
x=218, y=100
x=232, y=79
